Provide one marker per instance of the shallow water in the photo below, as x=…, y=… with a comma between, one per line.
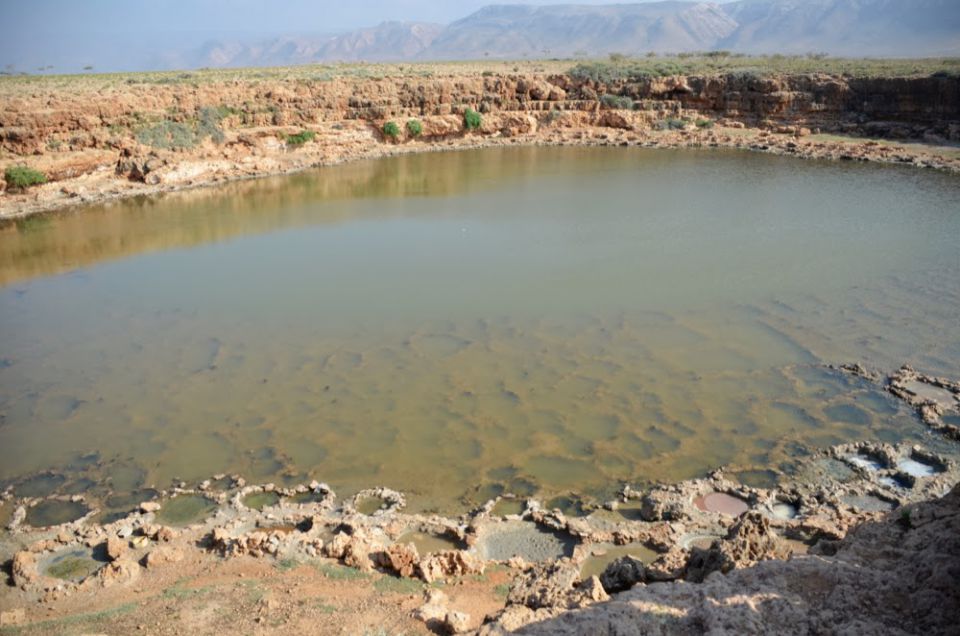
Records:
x=530, y=321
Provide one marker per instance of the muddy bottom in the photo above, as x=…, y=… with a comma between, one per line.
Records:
x=758, y=478
x=722, y=503
x=604, y=554
x=75, y=565
x=868, y=503
x=39, y=485
x=523, y=539
x=185, y=510
x=54, y=512
x=508, y=507
x=427, y=543
x=371, y=505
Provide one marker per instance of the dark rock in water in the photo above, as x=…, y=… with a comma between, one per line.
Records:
x=623, y=574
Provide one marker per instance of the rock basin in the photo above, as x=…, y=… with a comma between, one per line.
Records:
x=185, y=510
x=721, y=503
x=604, y=554
x=504, y=541
x=54, y=512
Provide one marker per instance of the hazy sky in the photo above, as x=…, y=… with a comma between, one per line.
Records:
x=124, y=33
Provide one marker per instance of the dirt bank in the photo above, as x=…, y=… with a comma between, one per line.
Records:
x=98, y=141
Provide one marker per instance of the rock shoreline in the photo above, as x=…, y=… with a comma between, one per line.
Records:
x=694, y=531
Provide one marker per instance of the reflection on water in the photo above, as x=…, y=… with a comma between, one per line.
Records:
x=547, y=321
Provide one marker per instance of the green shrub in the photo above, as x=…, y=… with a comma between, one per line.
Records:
x=168, y=135
x=415, y=128
x=472, y=119
x=22, y=177
x=301, y=138
x=209, y=124
x=704, y=123
x=391, y=130
x=617, y=102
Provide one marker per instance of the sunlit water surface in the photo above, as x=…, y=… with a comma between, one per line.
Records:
x=457, y=325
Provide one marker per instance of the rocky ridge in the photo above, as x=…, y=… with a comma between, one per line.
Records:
x=101, y=143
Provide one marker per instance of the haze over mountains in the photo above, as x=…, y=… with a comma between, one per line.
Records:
x=879, y=28
x=891, y=28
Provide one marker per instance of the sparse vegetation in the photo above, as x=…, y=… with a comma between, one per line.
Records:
x=472, y=119
x=704, y=123
x=391, y=130
x=672, y=123
x=415, y=127
x=301, y=138
x=617, y=102
x=22, y=177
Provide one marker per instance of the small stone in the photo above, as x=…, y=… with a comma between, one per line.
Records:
x=162, y=556
x=125, y=532
x=149, y=506
x=456, y=622
x=116, y=548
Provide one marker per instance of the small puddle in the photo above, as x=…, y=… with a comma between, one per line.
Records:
x=864, y=461
x=868, y=503
x=54, y=512
x=926, y=391
x=917, y=468
x=836, y=469
x=75, y=565
x=427, y=543
x=39, y=485
x=722, y=503
x=508, y=507
x=523, y=539
x=260, y=500
x=185, y=510
x=370, y=505
x=785, y=511
x=307, y=497
x=131, y=500
x=570, y=506
x=604, y=554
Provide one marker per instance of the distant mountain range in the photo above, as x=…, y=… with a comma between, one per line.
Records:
x=881, y=28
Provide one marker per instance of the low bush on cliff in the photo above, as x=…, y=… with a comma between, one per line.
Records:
x=704, y=123
x=22, y=177
x=301, y=138
x=175, y=135
x=391, y=130
x=415, y=128
x=472, y=119
x=168, y=135
x=617, y=102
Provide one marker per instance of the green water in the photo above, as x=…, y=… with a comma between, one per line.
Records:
x=529, y=320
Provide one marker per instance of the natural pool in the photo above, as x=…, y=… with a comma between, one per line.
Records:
x=549, y=321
